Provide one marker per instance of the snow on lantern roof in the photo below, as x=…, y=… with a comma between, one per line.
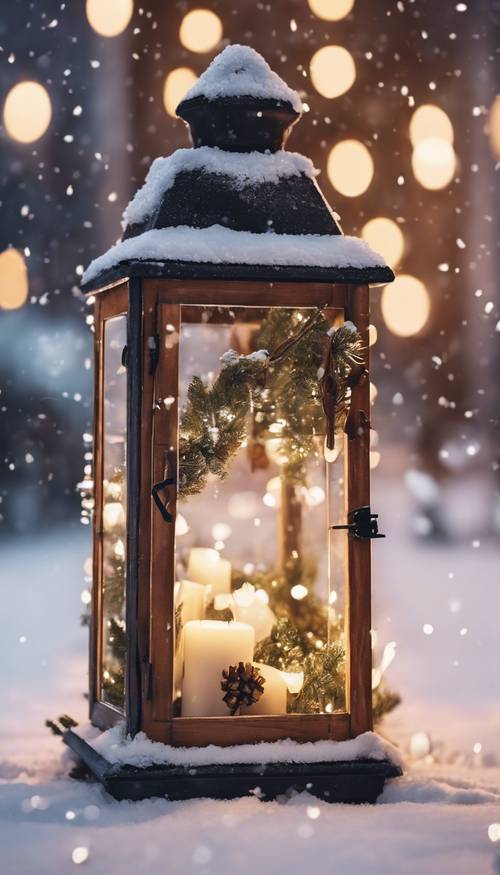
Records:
x=237, y=206
x=239, y=71
x=242, y=168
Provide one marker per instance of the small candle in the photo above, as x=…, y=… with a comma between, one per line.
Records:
x=190, y=598
x=249, y=607
x=206, y=566
x=209, y=647
x=273, y=699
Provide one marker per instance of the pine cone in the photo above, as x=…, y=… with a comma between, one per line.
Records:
x=243, y=685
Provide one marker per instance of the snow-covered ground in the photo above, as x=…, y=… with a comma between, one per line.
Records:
x=437, y=819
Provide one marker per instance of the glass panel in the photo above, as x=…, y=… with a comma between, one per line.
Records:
x=256, y=499
x=114, y=514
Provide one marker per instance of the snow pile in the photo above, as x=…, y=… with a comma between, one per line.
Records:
x=244, y=168
x=427, y=790
x=239, y=71
x=141, y=751
x=218, y=245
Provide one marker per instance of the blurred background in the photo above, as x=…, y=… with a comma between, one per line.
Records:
x=403, y=121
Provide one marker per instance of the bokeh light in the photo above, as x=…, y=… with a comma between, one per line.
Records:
x=430, y=121
x=176, y=84
x=331, y=10
x=13, y=280
x=494, y=126
x=332, y=71
x=109, y=17
x=386, y=238
x=433, y=162
x=405, y=305
x=350, y=168
x=200, y=30
x=27, y=111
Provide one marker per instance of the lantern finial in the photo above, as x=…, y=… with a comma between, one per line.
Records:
x=239, y=104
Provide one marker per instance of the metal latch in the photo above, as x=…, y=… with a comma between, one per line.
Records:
x=361, y=523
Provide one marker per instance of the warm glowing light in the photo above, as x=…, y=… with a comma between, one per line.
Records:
x=350, y=167
x=181, y=525
x=405, y=305
x=372, y=335
x=27, y=112
x=299, y=592
x=333, y=454
x=433, y=162
x=420, y=745
x=494, y=126
x=109, y=17
x=200, y=30
x=430, y=121
x=294, y=681
x=113, y=515
x=332, y=70
x=176, y=84
x=13, y=280
x=386, y=238
x=331, y=10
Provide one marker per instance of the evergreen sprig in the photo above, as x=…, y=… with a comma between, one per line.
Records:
x=213, y=422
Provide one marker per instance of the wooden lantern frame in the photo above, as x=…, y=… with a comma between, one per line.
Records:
x=152, y=373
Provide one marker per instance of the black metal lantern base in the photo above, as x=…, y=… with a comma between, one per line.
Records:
x=355, y=781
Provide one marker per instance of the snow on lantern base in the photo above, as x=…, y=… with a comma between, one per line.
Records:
x=351, y=771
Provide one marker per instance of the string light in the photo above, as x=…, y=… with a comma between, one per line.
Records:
x=109, y=17
x=430, y=121
x=350, y=168
x=405, y=305
x=331, y=10
x=200, y=30
x=494, y=126
x=13, y=280
x=177, y=83
x=385, y=237
x=27, y=112
x=433, y=163
x=332, y=70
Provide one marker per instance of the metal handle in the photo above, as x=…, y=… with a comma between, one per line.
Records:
x=155, y=492
x=361, y=523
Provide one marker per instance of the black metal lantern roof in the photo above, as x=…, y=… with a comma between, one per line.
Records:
x=237, y=205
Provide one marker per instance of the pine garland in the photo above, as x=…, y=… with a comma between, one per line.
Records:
x=281, y=388
x=213, y=422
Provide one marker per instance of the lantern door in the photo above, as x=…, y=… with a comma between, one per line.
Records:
x=108, y=647
x=259, y=606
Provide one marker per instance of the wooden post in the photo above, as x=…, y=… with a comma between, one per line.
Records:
x=358, y=589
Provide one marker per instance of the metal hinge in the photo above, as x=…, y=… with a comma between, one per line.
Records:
x=361, y=523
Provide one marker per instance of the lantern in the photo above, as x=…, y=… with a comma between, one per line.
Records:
x=232, y=522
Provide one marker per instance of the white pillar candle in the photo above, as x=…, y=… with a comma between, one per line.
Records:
x=189, y=602
x=206, y=566
x=273, y=699
x=210, y=646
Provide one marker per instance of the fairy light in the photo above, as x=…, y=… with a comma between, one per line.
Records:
x=27, y=112
x=385, y=237
x=429, y=120
x=177, y=83
x=299, y=592
x=201, y=30
x=331, y=10
x=405, y=305
x=13, y=280
x=109, y=17
x=350, y=168
x=433, y=163
x=332, y=70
